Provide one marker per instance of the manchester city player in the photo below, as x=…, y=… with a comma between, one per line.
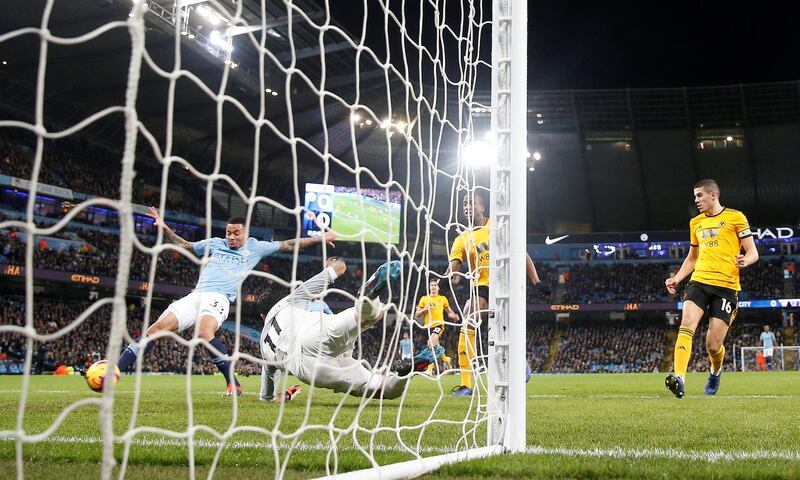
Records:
x=229, y=262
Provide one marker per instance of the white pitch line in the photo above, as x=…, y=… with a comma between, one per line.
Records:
x=32, y=390
x=671, y=453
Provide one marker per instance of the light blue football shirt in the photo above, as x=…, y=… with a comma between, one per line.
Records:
x=405, y=348
x=226, y=267
x=768, y=339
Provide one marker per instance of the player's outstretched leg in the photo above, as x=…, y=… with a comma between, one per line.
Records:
x=351, y=376
x=166, y=322
x=207, y=327
x=130, y=353
x=427, y=357
x=675, y=385
x=379, y=281
x=690, y=318
x=290, y=394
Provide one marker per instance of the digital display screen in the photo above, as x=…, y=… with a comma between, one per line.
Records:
x=355, y=214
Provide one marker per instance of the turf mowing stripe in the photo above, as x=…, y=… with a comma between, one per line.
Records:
x=616, y=452
x=711, y=457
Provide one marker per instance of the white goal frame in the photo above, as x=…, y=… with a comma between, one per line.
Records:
x=506, y=359
x=782, y=348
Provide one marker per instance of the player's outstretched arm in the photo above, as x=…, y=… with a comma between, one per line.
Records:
x=686, y=269
x=530, y=268
x=314, y=286
x=288, y=245
x=451, y=314
x=750, y=253
x=171, y=236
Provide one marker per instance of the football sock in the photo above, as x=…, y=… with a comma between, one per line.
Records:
x=465, y=356
x=683, y=350
x=222, y=361
x=131, y=352
x=716, y=359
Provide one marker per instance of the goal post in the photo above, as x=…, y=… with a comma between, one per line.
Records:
x=508, y=214
x=784, y=357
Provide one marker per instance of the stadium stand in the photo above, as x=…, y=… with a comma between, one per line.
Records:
x=611, y=347
x=91, y=248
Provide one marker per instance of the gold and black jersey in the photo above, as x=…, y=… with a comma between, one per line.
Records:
x=719, y=240
x=472, y=248
x=435, y=316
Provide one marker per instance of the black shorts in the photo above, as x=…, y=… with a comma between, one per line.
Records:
x=438, y=330
x=719, y=302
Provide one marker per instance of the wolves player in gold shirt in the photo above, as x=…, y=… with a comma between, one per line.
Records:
x=472, y=247
x=433, y=307
x=718, y=235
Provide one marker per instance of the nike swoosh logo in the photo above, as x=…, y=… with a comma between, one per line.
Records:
x=550, y=241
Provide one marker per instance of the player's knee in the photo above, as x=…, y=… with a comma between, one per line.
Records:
x=154, y=329
x=713, y=346
x=206, y=334
x=207, y=327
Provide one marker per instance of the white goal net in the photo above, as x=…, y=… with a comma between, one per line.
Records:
x=387, y=123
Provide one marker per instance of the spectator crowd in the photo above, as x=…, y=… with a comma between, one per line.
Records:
x=613, y=347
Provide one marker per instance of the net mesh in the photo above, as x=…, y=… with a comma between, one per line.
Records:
x=387, y=104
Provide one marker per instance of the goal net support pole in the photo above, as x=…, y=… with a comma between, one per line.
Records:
x=508, y=218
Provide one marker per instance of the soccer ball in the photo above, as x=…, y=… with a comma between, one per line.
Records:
x=96, y=375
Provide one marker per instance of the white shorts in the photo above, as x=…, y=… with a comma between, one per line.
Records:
x=190, y=308
x=768, y=352
x=325, y=347
x=343, y=374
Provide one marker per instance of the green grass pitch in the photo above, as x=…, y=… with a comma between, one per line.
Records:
x=579, y=426
x=381, y=224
